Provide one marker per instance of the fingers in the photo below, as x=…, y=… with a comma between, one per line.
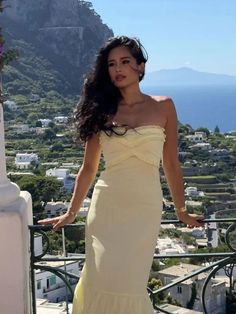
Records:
x=195, y=221
x=200, y=217
x=47, y=221
x=57, y=226
x=198, y=222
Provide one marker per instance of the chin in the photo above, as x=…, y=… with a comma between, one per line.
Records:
x=121, y=84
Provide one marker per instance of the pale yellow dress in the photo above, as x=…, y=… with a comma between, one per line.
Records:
x=122, y=225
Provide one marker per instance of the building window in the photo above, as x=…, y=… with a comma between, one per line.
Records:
x=39, y=284
x=52, y=280
x=179, y=289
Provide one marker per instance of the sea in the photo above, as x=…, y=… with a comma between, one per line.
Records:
x=202, y=106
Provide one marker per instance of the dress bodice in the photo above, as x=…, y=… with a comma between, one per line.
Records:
x=144, y=143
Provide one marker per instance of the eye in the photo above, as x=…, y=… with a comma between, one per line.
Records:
x=125, y=61
x=110, y=64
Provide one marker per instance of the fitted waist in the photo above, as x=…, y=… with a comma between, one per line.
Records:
x=132, y=171
x=132, y=162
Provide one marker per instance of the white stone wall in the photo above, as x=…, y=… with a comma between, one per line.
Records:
x=15, y=257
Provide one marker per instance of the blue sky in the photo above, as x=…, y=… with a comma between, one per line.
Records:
x=200, y=34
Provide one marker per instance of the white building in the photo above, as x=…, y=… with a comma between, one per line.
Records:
x=58, y=172
x=24, y=160
x=191, y=191
x=196, y=232
x=202, y=146
x=53, y=209
x=70, y=165
x=61, y=119
x=83, y=212
x=197, y=137
x=232, y=132
x=45, y=307
x=50, y=287
x=45, y=122
x=215, y=296
x=11, y=105
x=63, y=175
x=169, y=246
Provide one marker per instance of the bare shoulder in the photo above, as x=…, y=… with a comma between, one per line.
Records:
x=160, y=110
x=160, y=98
x=165, y=103
x=165, y=100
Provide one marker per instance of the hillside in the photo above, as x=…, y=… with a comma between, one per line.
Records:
x=57, y=41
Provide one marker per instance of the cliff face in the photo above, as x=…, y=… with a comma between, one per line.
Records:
x=66, y=33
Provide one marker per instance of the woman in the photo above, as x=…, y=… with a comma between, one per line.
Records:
x=134, y=131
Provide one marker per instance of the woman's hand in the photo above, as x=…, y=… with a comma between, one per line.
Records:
x=59, y=221
x=192, y=220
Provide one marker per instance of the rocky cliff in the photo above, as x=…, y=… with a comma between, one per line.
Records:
x=63, y=34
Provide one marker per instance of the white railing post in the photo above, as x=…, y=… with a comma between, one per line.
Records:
x=9, y=191
x=15, y=216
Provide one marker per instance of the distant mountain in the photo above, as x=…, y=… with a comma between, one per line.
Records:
x=185, y=77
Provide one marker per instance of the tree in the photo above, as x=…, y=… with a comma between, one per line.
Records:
x=49, y=134
x=58, y=146
x=49, y=188
x=234, y=148
x=54, y=127
x=38, y=124
x=183, y=129
x=29, y=183
x=42, y=189
x=170, y=300
x=156, y=265
x=155, y=284
x=202, y=129
x=32, y=118
x=217, y=130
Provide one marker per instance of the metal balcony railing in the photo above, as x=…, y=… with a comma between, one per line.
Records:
x=215, y=261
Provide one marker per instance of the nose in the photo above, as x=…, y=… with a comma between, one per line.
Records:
x=118, y=68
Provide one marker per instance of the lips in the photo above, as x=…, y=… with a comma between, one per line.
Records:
x=119, y=77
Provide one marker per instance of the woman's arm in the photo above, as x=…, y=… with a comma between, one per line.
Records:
x=170, y=159
x=83, y=182
x=172, y=167
x=86, y=173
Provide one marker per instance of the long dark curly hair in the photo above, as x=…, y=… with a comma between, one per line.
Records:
x=99, y=98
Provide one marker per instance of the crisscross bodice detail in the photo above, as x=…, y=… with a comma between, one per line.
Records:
x=144, y=143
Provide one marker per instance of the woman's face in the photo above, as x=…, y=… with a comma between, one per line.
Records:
x=123, y=68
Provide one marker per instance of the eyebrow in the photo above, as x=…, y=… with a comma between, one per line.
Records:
x=121, y=59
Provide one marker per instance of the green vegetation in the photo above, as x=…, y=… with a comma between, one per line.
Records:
x=198, y=261
x=191, y=302
x=162, y=297
x=42, y=189
x=74, y=240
